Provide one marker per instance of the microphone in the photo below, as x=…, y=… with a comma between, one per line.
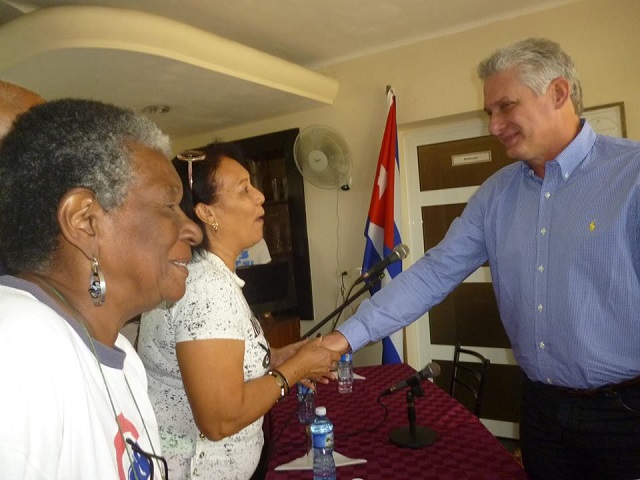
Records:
x=430, y=371
x=401, y=251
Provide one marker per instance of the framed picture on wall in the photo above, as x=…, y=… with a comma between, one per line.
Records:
x=607, y=119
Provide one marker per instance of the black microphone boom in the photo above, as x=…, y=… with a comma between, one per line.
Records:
x=430, y=371
x=371, y=276
x=400, y=252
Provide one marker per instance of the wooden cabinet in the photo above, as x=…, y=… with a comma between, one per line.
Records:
x=280, y=331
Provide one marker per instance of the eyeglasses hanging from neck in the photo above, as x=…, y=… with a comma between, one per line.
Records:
x=191, y=156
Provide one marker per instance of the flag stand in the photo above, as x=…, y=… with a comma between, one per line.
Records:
x=368, y=284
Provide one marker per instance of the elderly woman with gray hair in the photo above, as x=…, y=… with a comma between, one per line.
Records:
x=93, y=234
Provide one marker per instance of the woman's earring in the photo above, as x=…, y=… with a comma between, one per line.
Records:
x=97, y=285
x=215, y=226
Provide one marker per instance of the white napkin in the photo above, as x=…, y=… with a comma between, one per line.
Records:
x=306, y=462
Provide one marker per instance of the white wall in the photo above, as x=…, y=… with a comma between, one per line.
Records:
x=434, y=81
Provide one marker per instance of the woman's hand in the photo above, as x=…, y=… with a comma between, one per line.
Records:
x=311, y=361
x=280, y=355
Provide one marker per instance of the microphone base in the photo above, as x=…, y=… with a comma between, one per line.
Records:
x=403, y=438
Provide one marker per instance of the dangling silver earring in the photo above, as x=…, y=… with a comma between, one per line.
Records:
x=97, y=285
x=215, y=226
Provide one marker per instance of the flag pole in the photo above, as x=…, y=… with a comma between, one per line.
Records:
x=381, y=231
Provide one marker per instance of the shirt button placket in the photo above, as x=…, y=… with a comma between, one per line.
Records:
x=541, y=287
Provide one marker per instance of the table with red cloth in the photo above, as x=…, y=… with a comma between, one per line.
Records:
x=465, y=449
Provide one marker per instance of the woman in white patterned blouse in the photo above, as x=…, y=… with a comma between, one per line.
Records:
x=212, y=374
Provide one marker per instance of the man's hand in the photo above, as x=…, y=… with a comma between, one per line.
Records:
x=336, y=341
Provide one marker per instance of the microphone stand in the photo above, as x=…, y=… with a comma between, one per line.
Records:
x=414, y=436
x=368, y=284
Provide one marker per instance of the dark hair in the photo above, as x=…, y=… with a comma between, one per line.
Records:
x=52, y=148
x=204, y=181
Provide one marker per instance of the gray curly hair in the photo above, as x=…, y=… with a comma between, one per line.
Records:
x=52, y=148
x=538, y=61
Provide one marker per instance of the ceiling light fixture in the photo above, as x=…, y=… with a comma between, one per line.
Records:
x=156, y=109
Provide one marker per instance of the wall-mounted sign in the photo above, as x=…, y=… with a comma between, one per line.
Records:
x=468, y=158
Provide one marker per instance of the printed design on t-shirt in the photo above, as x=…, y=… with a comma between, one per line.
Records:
x=257, y=331
x=257, y=328
x=140, y=468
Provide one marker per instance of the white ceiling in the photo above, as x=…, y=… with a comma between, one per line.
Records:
x=216, y=63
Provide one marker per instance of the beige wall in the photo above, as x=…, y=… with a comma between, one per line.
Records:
x=435, y=79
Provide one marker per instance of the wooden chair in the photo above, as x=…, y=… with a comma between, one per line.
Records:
x=469, y=375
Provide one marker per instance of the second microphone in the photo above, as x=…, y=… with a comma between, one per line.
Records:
x=432, y=370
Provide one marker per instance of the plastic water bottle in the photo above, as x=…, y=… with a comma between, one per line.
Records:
x=345, y=373
x=306, y=404
x=324, y=468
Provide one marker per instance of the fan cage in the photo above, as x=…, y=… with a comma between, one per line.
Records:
x=337, y=172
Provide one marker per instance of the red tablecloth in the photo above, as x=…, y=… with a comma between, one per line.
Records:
x=465, y=448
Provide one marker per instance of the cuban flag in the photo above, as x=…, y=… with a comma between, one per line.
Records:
x=381, y=233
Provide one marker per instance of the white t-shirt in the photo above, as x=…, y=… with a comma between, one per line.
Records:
x=56, y=420
x=213, y=307
x=257, y=254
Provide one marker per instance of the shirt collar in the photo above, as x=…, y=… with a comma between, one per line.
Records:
x=111, y=357
x=574, y=154
x=213, y=259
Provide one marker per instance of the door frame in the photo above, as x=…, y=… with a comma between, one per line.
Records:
x=419, y=349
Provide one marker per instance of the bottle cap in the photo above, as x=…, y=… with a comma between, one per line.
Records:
x=346, y=357
x=321, y=411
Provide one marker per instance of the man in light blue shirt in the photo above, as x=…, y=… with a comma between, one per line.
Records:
x=561, y=231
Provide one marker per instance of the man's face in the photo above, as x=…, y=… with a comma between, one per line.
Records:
x=520, y=119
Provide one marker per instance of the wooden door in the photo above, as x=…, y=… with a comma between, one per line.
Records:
x=444, y=167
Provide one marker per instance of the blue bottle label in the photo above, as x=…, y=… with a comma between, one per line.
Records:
x=322, y=440
x=302, y=389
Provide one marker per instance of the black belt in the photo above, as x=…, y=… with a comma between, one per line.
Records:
x=594, y=392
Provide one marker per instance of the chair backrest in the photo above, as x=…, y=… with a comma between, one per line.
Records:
x=469, y=375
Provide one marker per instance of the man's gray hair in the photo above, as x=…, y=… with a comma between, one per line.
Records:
x=538, y=62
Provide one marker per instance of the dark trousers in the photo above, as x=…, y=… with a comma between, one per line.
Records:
x=564, y=437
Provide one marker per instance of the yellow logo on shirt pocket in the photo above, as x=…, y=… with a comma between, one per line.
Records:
x=592, y=226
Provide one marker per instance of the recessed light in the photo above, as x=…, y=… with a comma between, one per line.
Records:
x=156, y=109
